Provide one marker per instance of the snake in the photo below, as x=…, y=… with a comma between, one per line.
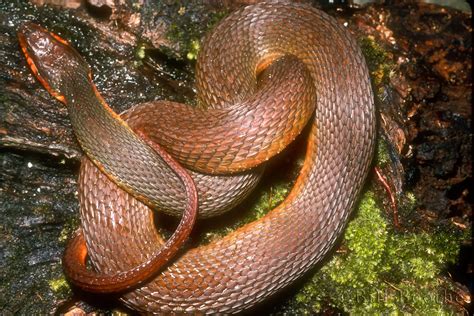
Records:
x=263, y=73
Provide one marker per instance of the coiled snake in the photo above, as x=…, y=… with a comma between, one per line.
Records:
x=263, y=73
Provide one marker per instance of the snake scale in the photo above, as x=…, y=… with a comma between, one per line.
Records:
x=272, y=61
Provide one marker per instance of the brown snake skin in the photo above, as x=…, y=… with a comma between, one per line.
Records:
x=315, y=57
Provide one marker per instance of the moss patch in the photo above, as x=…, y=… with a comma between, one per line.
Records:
x=267, y=198
x=379, y=62
x=382, y=156
x=60, y=287
x=379, y=270
x=187, y=33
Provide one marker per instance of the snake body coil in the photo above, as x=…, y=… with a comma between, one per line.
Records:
x=319, y=61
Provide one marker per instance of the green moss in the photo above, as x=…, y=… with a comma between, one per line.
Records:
x=182, y=38
x=378, y=270
x=362, y=265
x=421, y=256
x=215, y=17
x=379, y=62
x=269, y=196
x=186, y=33
x=68, y=229
x=409, y=200
x=193, y=50
x=60, y=286
x=269, y=200
x=382, y=156
x=140, y=52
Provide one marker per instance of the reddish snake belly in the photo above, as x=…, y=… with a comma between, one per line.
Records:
x=320, y=75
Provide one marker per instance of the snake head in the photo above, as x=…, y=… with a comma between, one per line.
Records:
x=52, y=60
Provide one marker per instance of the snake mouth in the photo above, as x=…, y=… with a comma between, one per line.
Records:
x=45, y=54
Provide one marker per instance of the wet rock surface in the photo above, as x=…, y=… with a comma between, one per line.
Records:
x=142, y=52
